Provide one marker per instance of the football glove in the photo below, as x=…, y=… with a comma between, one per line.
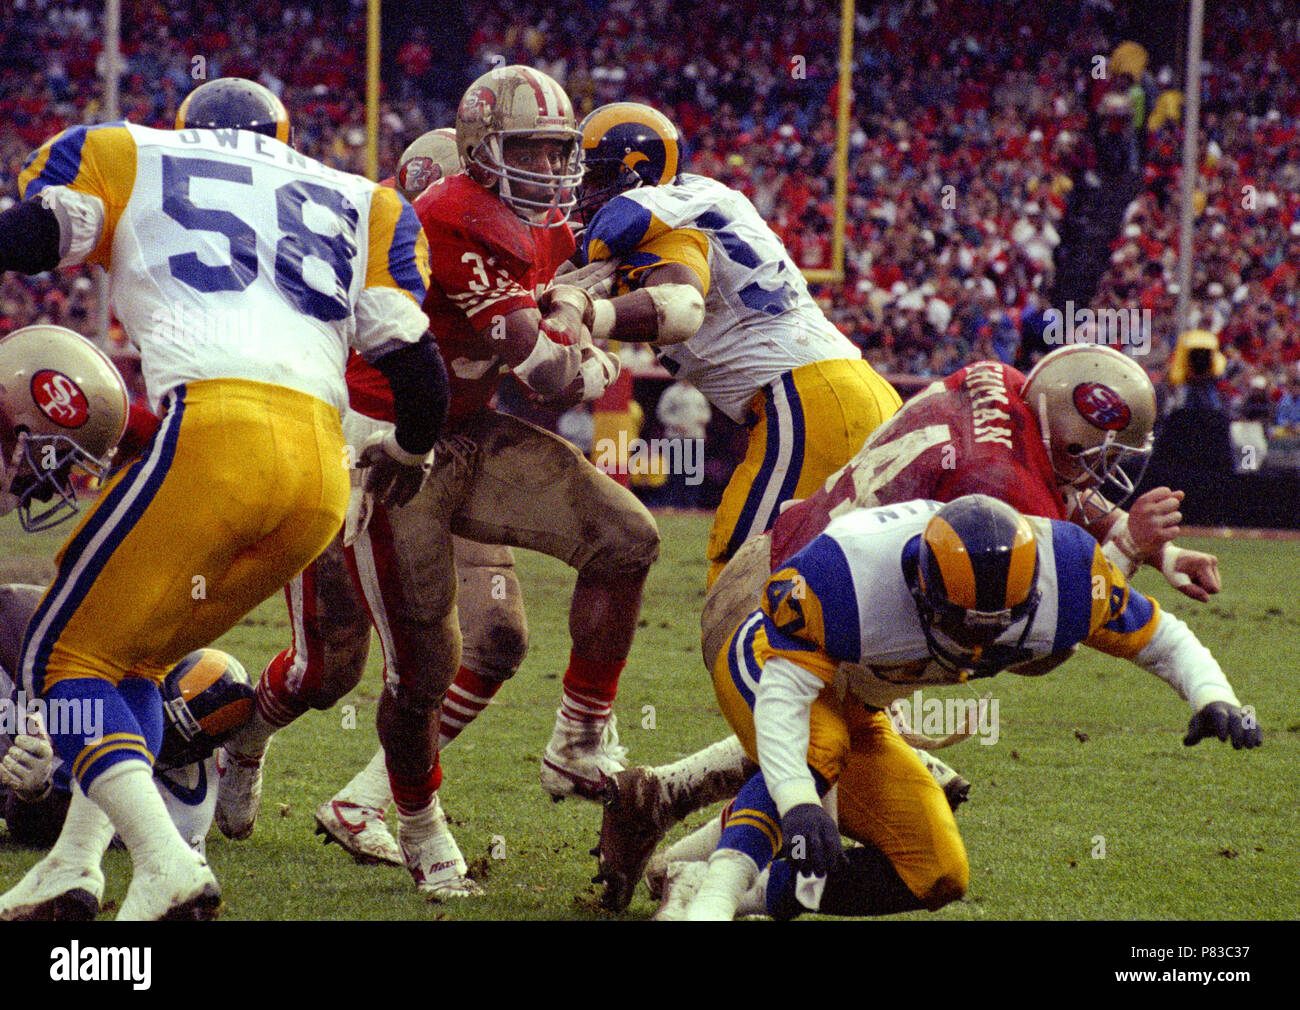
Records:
x=566, y=328
x=597, y=279
x=1225, y=721
x=26, y=767
x=812, y=841
x=393, y=475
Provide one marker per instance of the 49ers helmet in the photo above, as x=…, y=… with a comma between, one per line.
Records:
x=428, y=158
x=518, y=102
x=63, y=404
x=1096, y=409
x=206, y=697
x=233, y=103
x=976, y=575
x=625, y=145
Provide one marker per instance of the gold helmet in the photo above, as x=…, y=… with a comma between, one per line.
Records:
x=64, y=405
x=1096, y=409
x=430, y=157
x=518, y=102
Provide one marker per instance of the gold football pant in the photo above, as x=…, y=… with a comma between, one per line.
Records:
x=803, y=427
x=241, y=487
x=886, y=797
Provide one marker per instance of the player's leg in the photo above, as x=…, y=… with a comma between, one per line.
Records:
x=912, y=855
x=187, y=536
x=325, y=660
x=494, y=630
x=534, y=490
x=404, y=564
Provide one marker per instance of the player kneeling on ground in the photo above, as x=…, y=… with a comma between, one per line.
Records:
x=885, y=600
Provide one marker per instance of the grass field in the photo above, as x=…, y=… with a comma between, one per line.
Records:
x=1094, y=749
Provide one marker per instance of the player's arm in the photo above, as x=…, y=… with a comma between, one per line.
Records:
x=392, y=334
x=1128, y=624
x=30, y=238
x=667, y=309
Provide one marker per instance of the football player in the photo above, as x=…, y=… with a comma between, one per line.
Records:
x=242, y=270
x=493, y=625
x=499, y=231
x=712, y=287
x=884, y=600
x=206, y=697
x=985, y=429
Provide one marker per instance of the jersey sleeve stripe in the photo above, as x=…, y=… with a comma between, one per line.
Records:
x=1072, y=548
x=686, y=246
x=399, y=253
x=58, y=163
x=823, y=564
x=619, y=227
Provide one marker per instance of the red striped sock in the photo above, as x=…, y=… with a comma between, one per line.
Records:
x=589, y=688
x=414, y=795
x=468, y=695
x=275, y=703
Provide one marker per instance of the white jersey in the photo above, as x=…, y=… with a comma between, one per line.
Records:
x=232, y=256
x=760, y=322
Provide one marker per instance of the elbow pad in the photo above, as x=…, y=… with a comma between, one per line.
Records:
x=679, y=309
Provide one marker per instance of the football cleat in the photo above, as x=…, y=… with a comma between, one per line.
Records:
x=581, y=757
x=54, y=891
x=239, y=794
x=359, y=830
x=682, y=882
x=436, y=863
x=632, y=825
x=182, y=890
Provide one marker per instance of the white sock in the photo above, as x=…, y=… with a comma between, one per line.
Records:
x=698, y=845
x=126, y=793
x=369, y=787
x=729, y=876
x=423, y=824
x=86, y=833
x=252, y=739
x=754, y=901
x=705, y=777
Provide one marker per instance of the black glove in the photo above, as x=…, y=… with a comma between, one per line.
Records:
x=812, y=841
x=1220, y=719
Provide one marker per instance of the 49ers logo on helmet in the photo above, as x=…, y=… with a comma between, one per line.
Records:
x=477, y=105
x=418, y=174
x=1101, y=406
x=60, y=399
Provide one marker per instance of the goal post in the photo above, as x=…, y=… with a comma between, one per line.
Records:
x=843, y=115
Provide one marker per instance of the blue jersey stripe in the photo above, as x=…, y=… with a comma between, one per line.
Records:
x=401, y=254
x=1073, y=549
x=826, y=571
x=621, y=224
x=64, y=162
x=1135, y=616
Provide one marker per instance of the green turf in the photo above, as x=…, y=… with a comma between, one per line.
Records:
x=1200, y=832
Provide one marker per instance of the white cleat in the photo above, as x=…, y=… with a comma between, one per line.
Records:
x=239, y=793
x=580, y=757
x=362, y=831
x=182, y=889
x=681, y=882
x=437, y=865
x=54, y=891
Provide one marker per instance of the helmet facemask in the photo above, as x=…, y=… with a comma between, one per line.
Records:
x=38, y=478
x=602, y=181
x=1096, y=474
x=960, y=639
x=559, y=190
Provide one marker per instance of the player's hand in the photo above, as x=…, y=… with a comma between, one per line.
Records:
x=28, y=764
x=567, y=314
x=1225, y=721
x=1192, y=573
x=812, y=841
x=393, y=475
x=597, y=279
x=598, y=371
x=1153, y=520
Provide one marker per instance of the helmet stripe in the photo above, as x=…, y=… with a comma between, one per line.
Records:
x=954, y=563
x=1022, y=566
x=527, y=74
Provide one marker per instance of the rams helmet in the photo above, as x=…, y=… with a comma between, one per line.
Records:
x=63, y=404
x=625, y=145
x=520, y=103
x=976, y=575
x=206, y=697
x=1096, y=409
x=430, y=157
x=237, y=104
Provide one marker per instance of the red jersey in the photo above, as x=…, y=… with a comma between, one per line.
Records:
x=970, y=433
x=485, y=262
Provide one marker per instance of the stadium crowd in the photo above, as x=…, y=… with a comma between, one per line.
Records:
x=970, y=125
